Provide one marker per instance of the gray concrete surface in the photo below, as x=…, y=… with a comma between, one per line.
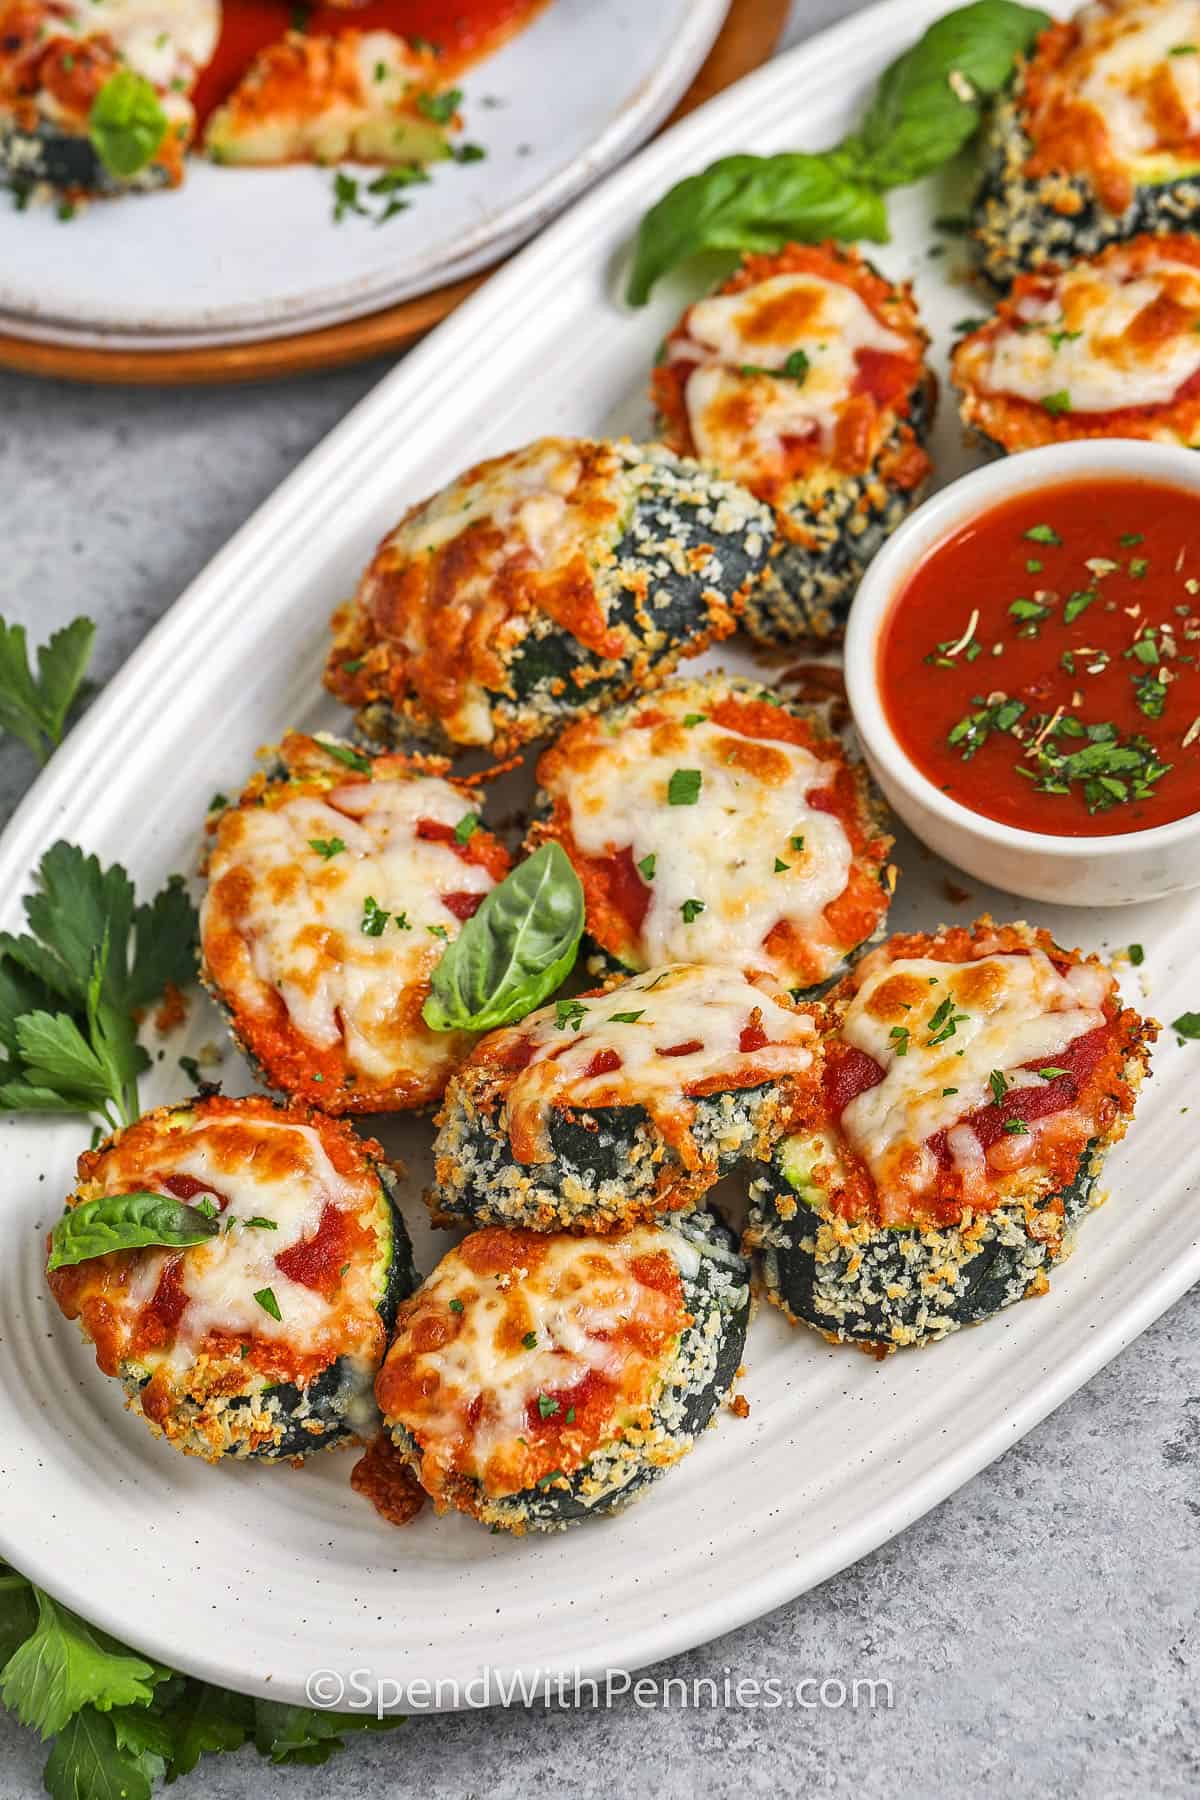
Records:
x=1039, y=1630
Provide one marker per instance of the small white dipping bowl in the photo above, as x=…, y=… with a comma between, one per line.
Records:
x=1072, y=871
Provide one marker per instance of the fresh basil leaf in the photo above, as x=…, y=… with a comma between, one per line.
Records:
x=126, y=124
x=126, y=1222
x=753, y=203
x=514, y=952
x=930, y=100
x=66, y=1665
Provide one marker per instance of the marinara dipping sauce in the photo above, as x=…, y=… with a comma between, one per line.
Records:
x=1042, y=666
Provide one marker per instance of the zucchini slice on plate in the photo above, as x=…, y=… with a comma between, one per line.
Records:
x=804, y=377
x=720, y=791
x=322, y=99
x=263, y=1339
x=1097, y=140
x=1104, y=348
x=622, y=1105
x=542, y=585
x=94, y=99
x=972, y=1085
x=335, y=883
x=536, y=1379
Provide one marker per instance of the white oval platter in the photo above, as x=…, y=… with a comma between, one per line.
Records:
x=256, y=1578
x=239, y=253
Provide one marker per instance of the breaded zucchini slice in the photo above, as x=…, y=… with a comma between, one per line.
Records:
x=536, y=1379
x=542, y=585
x=1098, y=140
x=804, y=378
x=630, y=1102
x=263, y=1340
x=356, y=95
x=66, y=74
x=720, y=792
x=972, y=1085
x=1104, y=348
x=334, y=886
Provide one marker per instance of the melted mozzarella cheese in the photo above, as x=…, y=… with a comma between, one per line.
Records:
x=288, y=1182
x=164, y=40
x=302, y=915
x=739, y=416
x=1084, y=340
x=524, y=495
x=723, y=850
x=701, y=1012
x=1007, y=1011
x=1126, y=58
x=574, y=1311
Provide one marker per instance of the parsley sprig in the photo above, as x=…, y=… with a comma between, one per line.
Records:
x=34, y=707
x=70, y=987
x=120, y=1722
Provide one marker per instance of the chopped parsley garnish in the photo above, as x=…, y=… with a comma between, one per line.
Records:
x=553, y=1475
x=442, y=107
x=207, y=1206
x=438, y=931
x=1129, y=538
x=1138, y=566
x=973, y=729
x=1078, y=603
x=548, y=1406
x=795, y=368
x=899, y=1037
x=998, y=1082
x=569, y=1013
x=1137, y=955
x=191, y=1069
x=964, y=326
x=691, y=909
x=694, y=718
x=1016, y=1128
x=1187, y=1025
x=258, y=1223
x=626, y=1018
x=266, y=1299
x=569, y=1415
x=1051, y=1073
x=1043, y=534
x=327, y=847
x=1059, y=402
x=345, y=753
x=466, y=828
x=946, y=1092
x=797, y=843
x=1150, y=694
x=944, y=1021
x=530, y=1340
x=374, y=919
x=683, y=789
x=647, y=866
x=781, y=867
x=455, y=1306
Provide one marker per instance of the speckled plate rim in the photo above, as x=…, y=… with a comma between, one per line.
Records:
x=839, y=1453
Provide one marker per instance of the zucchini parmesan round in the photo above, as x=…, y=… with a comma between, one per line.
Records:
x=542, y=585
x=629, y=1102
x=539, y=1378
x=971, y=1086
x=264, y=1339
x=335, y=884
x=803, y=377
x=716, y=823
x=1105, y=348
x=1098, y=141
x=84, y=87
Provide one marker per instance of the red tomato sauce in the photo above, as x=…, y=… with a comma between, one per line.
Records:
x=1042, y=666
x=463, y=30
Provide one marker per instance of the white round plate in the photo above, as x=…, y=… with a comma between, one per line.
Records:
x=240, y=253
x=257, y=1578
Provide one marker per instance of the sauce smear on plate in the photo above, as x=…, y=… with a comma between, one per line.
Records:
x=1042, y=666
